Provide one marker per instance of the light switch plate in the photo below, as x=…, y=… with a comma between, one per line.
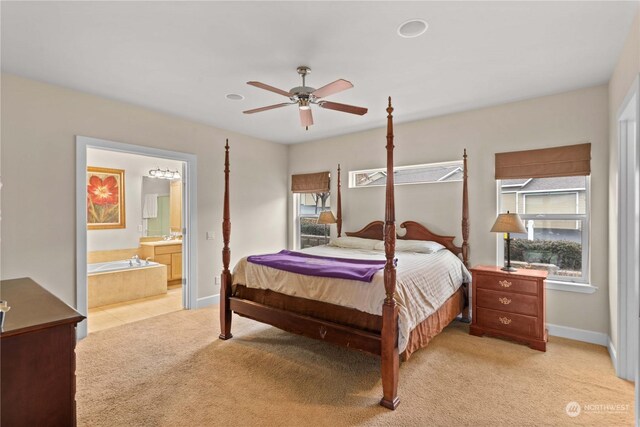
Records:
x=210, y=235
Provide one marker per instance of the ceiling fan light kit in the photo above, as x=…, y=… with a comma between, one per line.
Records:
x=304, y=104
x=304, y=96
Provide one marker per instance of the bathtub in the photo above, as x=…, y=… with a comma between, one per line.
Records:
x=104, y=267
x=116, y=281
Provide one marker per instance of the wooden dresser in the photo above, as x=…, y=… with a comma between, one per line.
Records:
x=509, y=305
x=37, y=348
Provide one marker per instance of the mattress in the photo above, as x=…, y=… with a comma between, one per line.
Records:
x=424, y=283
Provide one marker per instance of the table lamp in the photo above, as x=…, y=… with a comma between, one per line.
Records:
x=508, y=223
x=326, y=217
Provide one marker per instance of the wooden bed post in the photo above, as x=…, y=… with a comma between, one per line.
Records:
x=465, y=234
x=225, y=278
x=339, y=207
x=465, y=212
x=390, y=359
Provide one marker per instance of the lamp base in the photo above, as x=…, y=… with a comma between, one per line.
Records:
x=509, y=268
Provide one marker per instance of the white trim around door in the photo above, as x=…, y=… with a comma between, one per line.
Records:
x=189, y=209
x=628, y=320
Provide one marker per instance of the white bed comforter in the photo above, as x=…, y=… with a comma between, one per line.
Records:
x=424, y=283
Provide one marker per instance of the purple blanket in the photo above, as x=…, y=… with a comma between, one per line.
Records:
x=313, y=265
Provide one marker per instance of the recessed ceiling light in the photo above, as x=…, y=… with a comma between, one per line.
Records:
x=412, y=28
x=234, y=97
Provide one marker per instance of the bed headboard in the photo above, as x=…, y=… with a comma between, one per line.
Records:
x=415, y=231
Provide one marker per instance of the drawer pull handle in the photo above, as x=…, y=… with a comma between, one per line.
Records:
x=323, y=331
x=505, y=283
x=504, y=320
x=505, y=300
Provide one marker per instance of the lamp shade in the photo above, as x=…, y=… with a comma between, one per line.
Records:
x=326, y=217
x=508, y=223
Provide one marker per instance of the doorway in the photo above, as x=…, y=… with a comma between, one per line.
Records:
x=136, y=227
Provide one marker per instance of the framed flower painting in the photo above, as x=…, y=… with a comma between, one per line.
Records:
x=105, y=198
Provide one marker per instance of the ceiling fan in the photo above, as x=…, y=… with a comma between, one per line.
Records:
x=304, y=96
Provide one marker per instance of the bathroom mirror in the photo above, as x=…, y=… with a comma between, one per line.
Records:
x=155, y=207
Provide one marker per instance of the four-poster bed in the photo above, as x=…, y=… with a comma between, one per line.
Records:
x=376, y=331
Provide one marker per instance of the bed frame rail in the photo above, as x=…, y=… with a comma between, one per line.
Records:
x=308, y=326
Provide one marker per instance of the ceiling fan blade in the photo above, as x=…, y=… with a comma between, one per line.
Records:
x=270, y=88
x=343, y=107
x=335, y=87
x=270, y=107
x=306, y=118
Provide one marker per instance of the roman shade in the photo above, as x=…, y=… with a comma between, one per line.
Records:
x=569, y=160
x=310, y=183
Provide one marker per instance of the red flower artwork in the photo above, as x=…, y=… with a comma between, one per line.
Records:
x=103, y=192
x=105, y=198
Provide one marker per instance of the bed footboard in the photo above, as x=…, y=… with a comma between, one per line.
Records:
x=308, y=326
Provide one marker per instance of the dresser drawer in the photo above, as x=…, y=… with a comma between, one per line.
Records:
x=507, y=301
x=510, y=323
x=502, y=283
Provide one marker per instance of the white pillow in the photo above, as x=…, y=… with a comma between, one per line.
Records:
x=419, y=246
x=354, y=243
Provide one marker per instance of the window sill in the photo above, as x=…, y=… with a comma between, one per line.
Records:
x=582, y=288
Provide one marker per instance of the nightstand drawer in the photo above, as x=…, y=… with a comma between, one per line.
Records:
x=510, y=323
x=505, y=283
x=507, y=301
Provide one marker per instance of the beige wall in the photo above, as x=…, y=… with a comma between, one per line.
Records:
x=568, y=118
x=39, y=125
x=624, y=74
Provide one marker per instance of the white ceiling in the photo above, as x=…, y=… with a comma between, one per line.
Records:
x=183, y=57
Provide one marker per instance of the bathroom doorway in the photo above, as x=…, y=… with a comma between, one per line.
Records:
x=135, y=218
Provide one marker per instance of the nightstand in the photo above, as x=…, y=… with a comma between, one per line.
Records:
x=509, y=305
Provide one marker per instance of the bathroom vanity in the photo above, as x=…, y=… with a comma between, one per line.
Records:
x=167, y=252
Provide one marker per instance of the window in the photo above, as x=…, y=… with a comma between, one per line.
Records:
x=555, y=212
x=414, y=174
x=309, y=206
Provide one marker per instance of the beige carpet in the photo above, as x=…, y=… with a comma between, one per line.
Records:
x=172, y=370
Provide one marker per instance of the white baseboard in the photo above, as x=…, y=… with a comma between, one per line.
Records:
x=599, y=338
x=613, y=355
x=207, y=301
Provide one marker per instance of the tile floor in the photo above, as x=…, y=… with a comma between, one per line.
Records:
x=108, y=316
